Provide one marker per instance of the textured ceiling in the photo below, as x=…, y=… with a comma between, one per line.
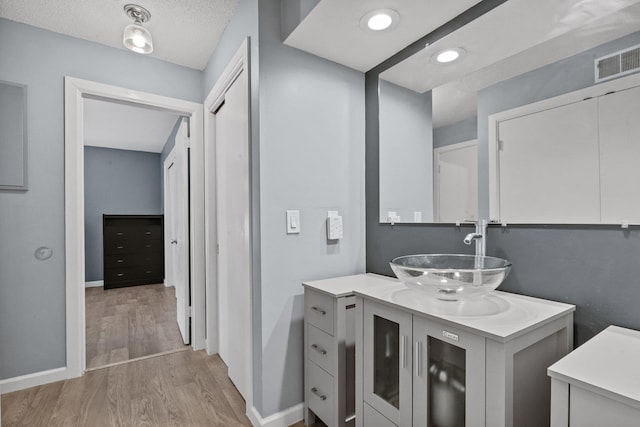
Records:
x=126, y=127
x=184, y=32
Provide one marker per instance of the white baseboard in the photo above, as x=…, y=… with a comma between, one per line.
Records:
x=94, y=284
x=32, y=380
x=279, y=419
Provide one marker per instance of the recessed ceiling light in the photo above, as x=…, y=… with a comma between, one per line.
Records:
x=448, y=55
x=380, y=19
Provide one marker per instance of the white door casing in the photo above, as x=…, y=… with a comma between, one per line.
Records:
x=76, y=90
x=229, y=331
x=177, y=226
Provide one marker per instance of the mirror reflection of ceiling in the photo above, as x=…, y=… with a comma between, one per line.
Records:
x=332, y=29
x=516, y=37
x=126, y=127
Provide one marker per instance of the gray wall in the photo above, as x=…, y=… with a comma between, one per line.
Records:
x=116, y=182
x=594, y=267
x=32, y=292
x=311, y=159
x=454, y=133
x=406, y=152
x=168, y=146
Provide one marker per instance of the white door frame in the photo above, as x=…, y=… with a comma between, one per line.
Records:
x=75, y=91
x=238, y=64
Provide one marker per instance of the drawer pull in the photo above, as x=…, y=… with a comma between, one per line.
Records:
x=120, y=274
x=148, y=246
x=147, y=232
x=318, y=349
x=120, y=260
x=317, y=393
x=319, y=310
x=120, y=247
x=120, y=234
x=148, y=271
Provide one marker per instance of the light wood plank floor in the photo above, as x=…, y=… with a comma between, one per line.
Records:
x=126, y=323
x=186, y=388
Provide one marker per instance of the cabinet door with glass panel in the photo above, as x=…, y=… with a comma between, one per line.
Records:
x=387, y=362
x=448, y=376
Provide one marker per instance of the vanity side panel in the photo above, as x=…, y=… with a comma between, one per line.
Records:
x=559, y=403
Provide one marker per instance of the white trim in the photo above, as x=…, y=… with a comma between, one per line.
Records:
x=75, y=91
x=94, y=284
x=238, y=64
x=32, y=380
x=279, y=419
x=546, y=104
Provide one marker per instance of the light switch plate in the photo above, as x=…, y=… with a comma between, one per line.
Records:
x=293, y=222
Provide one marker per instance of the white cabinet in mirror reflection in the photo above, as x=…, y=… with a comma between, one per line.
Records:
x=569, y=159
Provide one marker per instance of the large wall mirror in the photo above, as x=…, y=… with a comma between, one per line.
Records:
x=496, y=126
x=13, y=136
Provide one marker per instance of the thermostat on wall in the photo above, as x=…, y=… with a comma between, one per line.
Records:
x=334, y=226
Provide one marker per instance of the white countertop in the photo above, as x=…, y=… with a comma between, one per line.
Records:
x=607, y=364
x=346, y=285
x=500, y=316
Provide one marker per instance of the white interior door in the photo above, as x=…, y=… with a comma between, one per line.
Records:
x=234, y=258
x=456, y=182
x=619, y=153
x=177, y=226
x=549, y=166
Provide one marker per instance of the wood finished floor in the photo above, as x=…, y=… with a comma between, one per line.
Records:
x=183, y=389
x=127, y=323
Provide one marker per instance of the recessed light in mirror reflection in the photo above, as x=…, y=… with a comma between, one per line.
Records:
x=379, y=20
x=449, y=55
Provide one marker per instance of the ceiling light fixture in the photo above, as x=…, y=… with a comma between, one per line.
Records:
x=449, y=55
x=136, y=37
x=380, y=19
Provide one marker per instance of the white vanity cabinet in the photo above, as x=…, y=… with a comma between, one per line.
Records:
x=421, y=363
x=329, y=348
x=598, y=384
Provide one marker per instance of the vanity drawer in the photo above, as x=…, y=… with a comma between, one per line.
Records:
x=320, y=390
x=319, y=311
x=321, y=349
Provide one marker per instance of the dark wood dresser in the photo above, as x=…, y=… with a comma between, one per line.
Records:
x=133, y=250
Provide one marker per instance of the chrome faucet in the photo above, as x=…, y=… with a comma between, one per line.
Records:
x=479, y=236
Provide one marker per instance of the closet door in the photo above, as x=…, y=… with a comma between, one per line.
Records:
x=620, y=156
x=548, y=163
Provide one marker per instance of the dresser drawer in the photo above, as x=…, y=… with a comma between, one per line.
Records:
x=322, y=349
x=126, y=274
x=320, y=390
x=319, y=311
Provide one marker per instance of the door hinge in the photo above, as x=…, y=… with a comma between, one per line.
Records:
x=500, y=145
x=189, y=311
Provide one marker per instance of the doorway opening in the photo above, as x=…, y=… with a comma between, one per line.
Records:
x=136, y=299
x=123, y=224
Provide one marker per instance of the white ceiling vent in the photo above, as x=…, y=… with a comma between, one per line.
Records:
x=618, y=64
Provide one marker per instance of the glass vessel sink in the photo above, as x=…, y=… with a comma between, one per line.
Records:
x=451, y=277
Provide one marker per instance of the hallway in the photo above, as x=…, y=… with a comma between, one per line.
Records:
x=186, y=388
